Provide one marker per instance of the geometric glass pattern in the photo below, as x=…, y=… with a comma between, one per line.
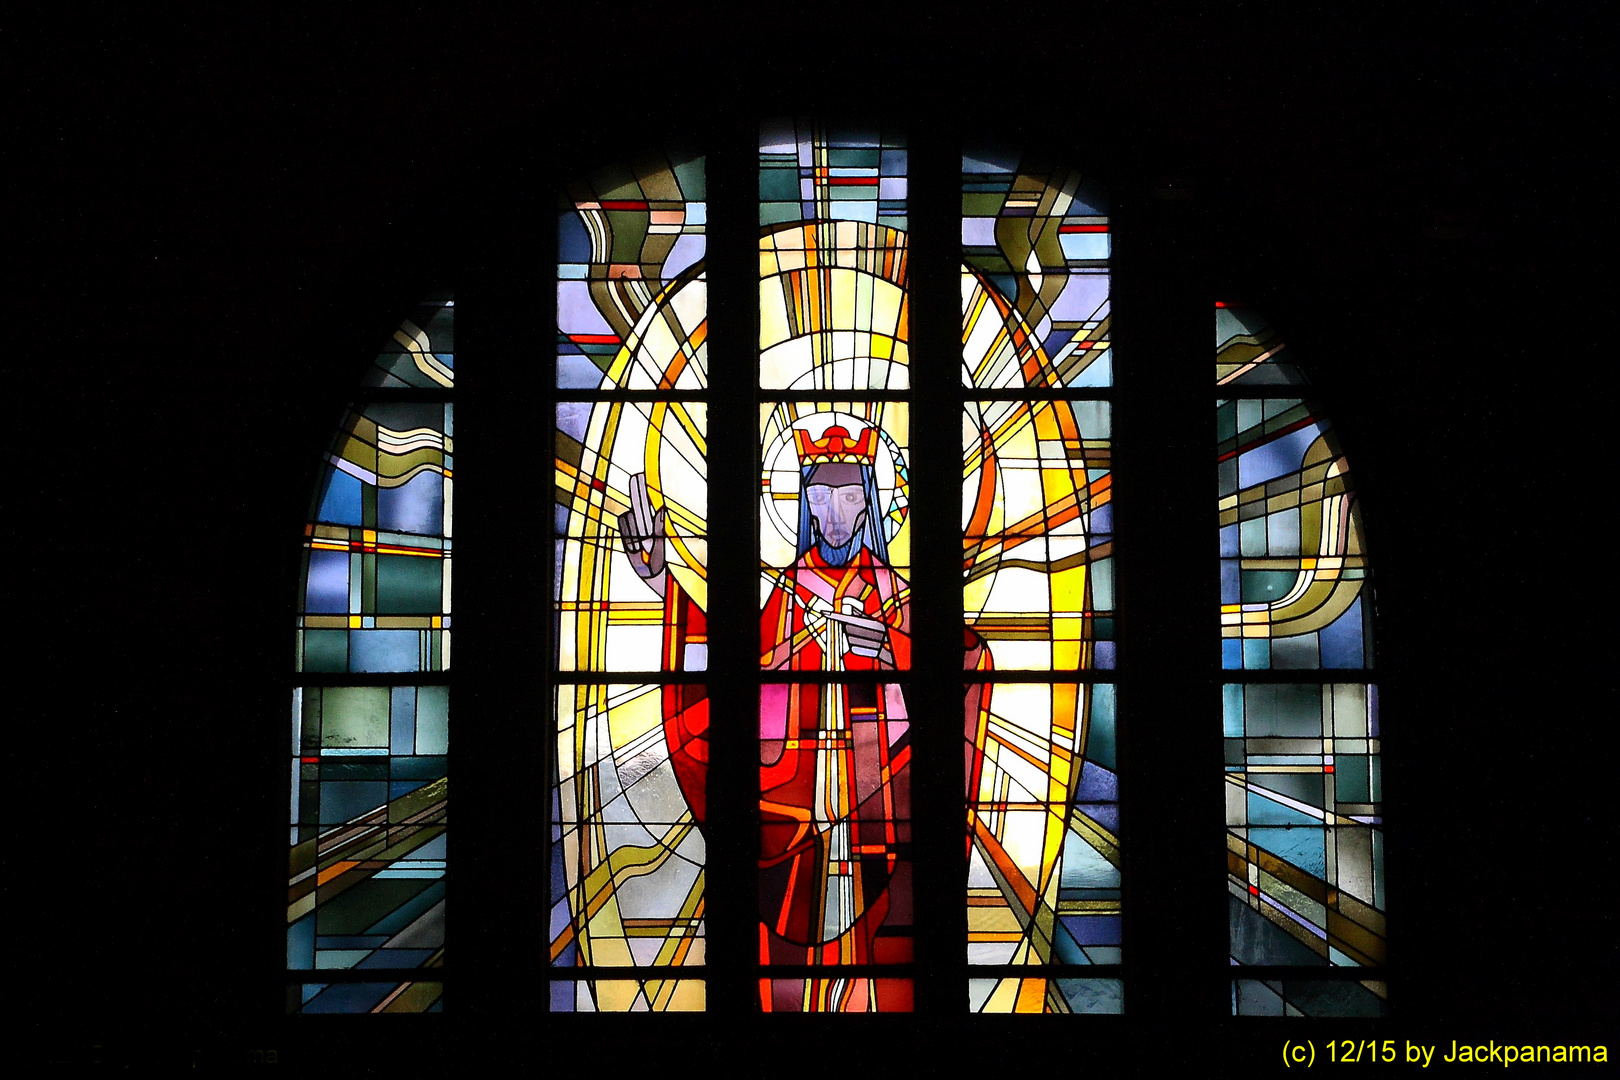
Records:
x=808, y=173
x=628, y=852
x=627, y=995
x=613, y=456
x=1043, y=881
x=832, y=289
x=631, y=298
x=366, y=997
x=1293, y=563
x=1304, y=816
x=1035, y=297
x=1038, y=532
x=628, y=792
x=1046, y=995
x=1308, y=997
x=369, y=777
x=835, y=995
x=377, y=553
x=835, y=872
x=1043, y=867
x=422, y=351
x=1248, y=352
x=1305, y=851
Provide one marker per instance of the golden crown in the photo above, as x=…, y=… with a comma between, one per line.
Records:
x=836, y=447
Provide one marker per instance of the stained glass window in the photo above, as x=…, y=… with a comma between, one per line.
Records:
x=1305, y=849
x=371, y=701
x=1043, y=883
x=631, y=299
x=1035, y=245
x=835, y=879
x=845, y=395
x=629, y=758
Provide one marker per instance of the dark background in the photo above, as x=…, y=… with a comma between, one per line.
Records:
x=217, y=220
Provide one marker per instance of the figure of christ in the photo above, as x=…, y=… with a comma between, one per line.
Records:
x=835, y=815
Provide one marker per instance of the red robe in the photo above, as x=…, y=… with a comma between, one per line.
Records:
x=835, y=808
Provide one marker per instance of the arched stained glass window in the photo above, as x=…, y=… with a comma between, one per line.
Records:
x=713, y=821
x=371, y=698
x=1299, y=712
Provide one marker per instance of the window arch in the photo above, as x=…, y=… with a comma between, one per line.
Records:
x=1299, y=714
x=641, y=332
x=371, y=699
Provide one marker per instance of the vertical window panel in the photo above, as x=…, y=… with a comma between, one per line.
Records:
x=1041, y=783
x=628, y=799
x=369, y=767
x=1303, y=784
x=835, y=870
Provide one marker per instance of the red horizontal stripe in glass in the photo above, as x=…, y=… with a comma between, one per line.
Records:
x=1269, y=437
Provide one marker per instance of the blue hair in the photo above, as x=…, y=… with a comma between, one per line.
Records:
x=870, y=534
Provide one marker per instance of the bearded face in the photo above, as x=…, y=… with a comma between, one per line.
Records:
x=838, y=510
